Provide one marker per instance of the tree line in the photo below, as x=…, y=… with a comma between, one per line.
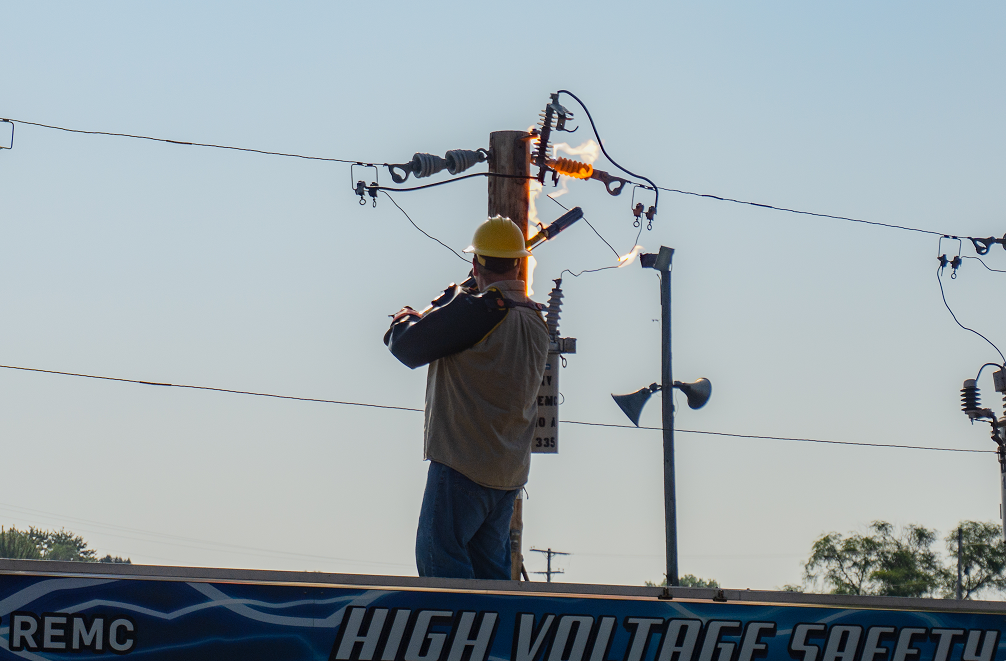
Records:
x=37, y=544
x=887, y=561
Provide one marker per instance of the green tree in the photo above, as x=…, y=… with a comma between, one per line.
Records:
x=879, y=563
x=17, y=545
x=983, y=560
x=61, y=545
x=688, y=581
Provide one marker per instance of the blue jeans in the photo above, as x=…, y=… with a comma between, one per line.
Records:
x=464, y=527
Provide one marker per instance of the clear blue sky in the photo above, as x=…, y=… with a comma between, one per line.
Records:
x=187, y=265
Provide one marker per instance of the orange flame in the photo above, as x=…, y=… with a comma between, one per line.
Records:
x=629, y=257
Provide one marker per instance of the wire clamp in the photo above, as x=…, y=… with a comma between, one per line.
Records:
x=982, y=246
x=11, y=145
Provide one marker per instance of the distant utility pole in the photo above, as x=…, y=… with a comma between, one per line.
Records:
x=960, y=587
x=549, y=571
x=510, y=197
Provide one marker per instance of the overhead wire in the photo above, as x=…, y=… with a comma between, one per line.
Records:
x=187, y=143
x=213, y=389
x=805, y=213
x=428, y=235
x=652, y=185
x=943, y=294
x=600, y=144
x=418, y=410
x=584, y=219
x=784, y=438
x=984, y=264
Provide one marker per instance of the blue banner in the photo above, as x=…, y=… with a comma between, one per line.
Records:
x=52, y=617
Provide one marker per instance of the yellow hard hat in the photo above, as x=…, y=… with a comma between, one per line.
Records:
x=498, y=237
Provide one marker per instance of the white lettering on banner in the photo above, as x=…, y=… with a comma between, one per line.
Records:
x=751, y=645
x=842, y=643
x=53, y=629
x=798, y=641
x=22, y=632
x=426, y=645
x=872, y=646
x=640, y=635
x=679, y=640
x=567, y=624
x=70, y=632
x=351, y=636
x=603, y=640
x=394, y=641
x=904, y=650
x=989, y=645
x=712, y=643
x=480, y=644
x=126, y=642
x=946, y=641
x=528, y=641
x=85, y=637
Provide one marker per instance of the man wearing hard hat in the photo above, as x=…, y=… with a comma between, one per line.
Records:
x=486, y=351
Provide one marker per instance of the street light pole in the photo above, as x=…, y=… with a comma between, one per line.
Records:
x=661, y=261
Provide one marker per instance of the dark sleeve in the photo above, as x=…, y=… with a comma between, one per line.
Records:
x=458, y=321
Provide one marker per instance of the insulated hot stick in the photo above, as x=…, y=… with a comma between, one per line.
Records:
x=544, y=234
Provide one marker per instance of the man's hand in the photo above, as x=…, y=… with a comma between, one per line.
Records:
x=405, y=312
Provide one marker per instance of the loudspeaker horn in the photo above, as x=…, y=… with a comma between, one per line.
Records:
x=632, y=404
x=697, y=392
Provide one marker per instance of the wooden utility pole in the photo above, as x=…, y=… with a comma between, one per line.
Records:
x=509, y=153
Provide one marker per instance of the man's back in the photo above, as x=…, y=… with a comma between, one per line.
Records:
x=481, y=409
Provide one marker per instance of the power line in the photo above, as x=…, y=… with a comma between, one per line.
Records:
x=233, y=392
x=806, y=213
x=939, y=269
x=482, y=174
x=185, y=142
x=780, y=438
x=429, y=236
x=415, y=410
x=984, y=264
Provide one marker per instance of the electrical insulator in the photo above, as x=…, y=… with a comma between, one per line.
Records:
x=554, y=308
x=970, y=398
x=571, y=168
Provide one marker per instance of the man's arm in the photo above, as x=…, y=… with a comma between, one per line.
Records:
x=457, y=321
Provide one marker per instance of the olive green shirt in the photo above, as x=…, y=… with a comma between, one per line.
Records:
x=481, y=403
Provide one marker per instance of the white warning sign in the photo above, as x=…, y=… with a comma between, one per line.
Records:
x=546, y=431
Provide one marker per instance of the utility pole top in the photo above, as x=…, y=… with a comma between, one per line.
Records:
x=549, y=571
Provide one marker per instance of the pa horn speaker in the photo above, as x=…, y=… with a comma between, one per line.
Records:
x=632, y=404
x=697, y=392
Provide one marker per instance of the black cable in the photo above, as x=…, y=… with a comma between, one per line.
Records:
x=405, y=408
x=784, y=438
x=450, y=181
x=191, y=144
x=577, y=275
x=429, y=236
x=982, y=369
x=234, y=392
x=940, y=281
x=984, y=264
x=805, y=213
x=584, y=219
x=656, y=193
